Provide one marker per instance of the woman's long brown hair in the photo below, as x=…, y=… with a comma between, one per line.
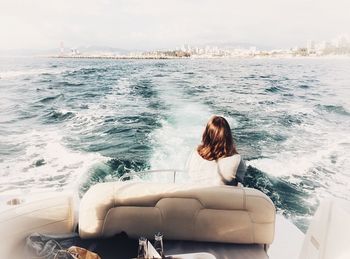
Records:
x=217, y=141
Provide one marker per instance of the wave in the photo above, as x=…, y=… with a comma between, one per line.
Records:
x=109, y=171
x=67, y=83
x=304, y=86
x=273, y=89
x=85, y=71
x=309, y=164
x=45, y=163
x=289, y=198
x=178, y=134
x=117, y=130
x=51, y=98
x=265, y=76
x=144, y=88
x=288, y=120
x=258, y=138
x=58, y=116
x=338, y=109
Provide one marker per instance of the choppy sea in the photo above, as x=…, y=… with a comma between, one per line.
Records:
x=69, y=123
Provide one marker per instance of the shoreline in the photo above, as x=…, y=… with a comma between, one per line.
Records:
x=198, y=57
x=115, y=57
x=337, y=57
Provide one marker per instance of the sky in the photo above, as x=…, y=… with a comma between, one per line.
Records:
x=160, y=24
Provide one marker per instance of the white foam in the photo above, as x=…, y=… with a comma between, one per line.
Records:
x=61, y=167
x=317, y=153
x=177, y=137
x=180, y=132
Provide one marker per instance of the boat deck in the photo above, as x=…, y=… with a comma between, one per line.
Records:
x=122, y=247
x=219, y=250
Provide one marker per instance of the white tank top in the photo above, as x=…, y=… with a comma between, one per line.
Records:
x=205, y=171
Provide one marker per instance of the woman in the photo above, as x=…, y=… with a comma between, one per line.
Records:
x=216, y=160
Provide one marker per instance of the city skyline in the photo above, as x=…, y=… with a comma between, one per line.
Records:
x=325, y=47
x=338, y=46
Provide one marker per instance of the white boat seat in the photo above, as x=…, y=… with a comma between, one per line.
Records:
x=215, y=214
x=45, y=213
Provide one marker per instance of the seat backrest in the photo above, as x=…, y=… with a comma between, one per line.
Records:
x=217, y=213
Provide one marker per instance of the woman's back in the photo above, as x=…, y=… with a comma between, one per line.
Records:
x=216, y=160
x=213, y=172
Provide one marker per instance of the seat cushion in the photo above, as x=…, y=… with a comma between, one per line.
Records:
x=181, y=212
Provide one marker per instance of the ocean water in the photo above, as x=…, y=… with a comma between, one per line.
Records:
x=71, y=123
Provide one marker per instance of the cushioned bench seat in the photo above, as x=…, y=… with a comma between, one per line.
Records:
x=215, y=214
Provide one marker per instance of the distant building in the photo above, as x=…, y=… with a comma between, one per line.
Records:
x=61, y=48
x=74, y=51
x=342, y=41
x=302, y=52
x=310, y=46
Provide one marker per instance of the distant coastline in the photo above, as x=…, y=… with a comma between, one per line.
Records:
x=150, y=57
x=107, y=57
x=339, y=47
x=114, y=57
